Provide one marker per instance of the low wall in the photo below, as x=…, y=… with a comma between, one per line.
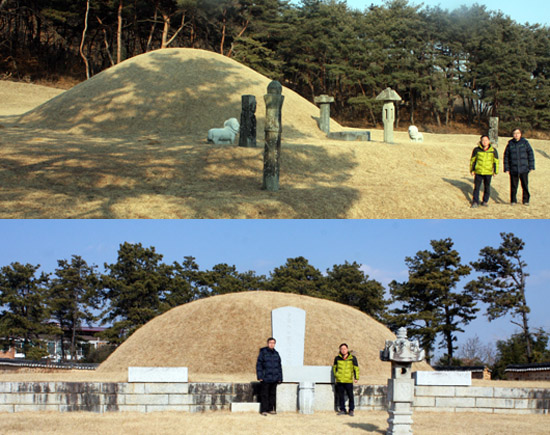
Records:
x=198, y=397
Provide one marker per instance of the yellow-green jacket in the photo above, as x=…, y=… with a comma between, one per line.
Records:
x=345, y=370
x=484, y=162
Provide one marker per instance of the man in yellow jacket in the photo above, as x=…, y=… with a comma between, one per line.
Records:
x=346, y=372
x=483, y=166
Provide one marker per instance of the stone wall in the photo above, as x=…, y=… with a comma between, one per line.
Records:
x=482, y=399
x=198, y=397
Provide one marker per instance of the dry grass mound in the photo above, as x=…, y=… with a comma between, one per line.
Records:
x=172, y=91
x=218, y=338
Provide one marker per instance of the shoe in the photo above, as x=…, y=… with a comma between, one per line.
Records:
x=341, y=413
x=273, y=412
x=475, y=205
x=264, y=414
x=485, y=204
x=351, y=414
x=526, y=204
x=513, y=203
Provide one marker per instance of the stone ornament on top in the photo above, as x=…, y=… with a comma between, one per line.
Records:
x=402, y=350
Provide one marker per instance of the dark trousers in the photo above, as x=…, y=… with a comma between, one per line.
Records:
x=515, y=179
x=268, y=396
x=341, y=391
x=486, y=180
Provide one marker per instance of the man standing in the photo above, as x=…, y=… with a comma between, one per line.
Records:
x=346, y=372
x=270, y=373
x=519, y=159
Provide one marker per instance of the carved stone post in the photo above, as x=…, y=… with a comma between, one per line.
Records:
x=247, y=136
x=273, y=128
x=402, y=353
x=324, y=104
x=493, y=130
x=388, y=95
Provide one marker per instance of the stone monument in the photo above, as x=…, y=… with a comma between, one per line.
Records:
x=493, y=130
x=247, y=136
x=324, y=102
x=273, y=128
x=388, y=96
x=402, y=353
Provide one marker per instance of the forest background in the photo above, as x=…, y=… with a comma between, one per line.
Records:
x=453, y=69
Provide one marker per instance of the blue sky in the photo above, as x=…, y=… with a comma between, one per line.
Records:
x=380, y=246
x=532, y=11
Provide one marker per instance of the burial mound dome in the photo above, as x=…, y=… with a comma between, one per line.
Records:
x=177, y=91
x=218, y=338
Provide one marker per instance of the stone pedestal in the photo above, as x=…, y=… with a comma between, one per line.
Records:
x=324, y=102
x=306, y=397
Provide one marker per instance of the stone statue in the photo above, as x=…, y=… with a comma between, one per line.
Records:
x=273, y=129
x=415, y=135
x=226, y=134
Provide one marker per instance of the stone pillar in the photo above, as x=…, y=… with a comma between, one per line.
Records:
x=493, y=130
x=273, y=128
x=247, y=136
x=388, y=118
x=306, y=397
x=324, y=102
x=388, y=96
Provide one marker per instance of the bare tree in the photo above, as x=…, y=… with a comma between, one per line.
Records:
x=86, y=63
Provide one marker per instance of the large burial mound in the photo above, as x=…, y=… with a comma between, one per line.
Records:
x=178, y=91
x=218, y=338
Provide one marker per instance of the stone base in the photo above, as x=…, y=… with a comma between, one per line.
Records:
x=158, y=374
x=245, y=407
x=350, y=135
x=443, y=378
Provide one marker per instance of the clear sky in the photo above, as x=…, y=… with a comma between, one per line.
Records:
x=532, y=11
x=380, y=246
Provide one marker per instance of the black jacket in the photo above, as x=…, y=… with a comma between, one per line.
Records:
x=519, y=157
x=268, y=367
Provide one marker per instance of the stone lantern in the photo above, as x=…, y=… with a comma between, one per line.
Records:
x=402, y=353
x=388, y=96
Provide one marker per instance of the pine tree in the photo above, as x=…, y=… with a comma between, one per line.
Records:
x=429, y=306
x=296, y=276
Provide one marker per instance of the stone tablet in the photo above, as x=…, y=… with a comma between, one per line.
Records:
x=288, y=325
x=158, y=374
x=443, y=378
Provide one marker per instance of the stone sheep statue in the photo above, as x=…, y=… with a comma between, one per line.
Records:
x=226, y=134
x=415, y=135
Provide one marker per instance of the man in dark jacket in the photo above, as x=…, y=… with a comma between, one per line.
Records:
x=519, y=159
x=270, y=373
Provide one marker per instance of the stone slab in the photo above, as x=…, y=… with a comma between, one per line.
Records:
x=158, y=374
x=315, y=374
x=288, y=325
x=245, y=407
x=443, y=378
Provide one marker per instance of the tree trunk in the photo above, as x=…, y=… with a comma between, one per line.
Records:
x=119, y=33
x=83, y=38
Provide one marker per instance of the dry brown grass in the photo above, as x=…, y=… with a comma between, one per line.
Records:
x=130, y=143
x=218, y=338
x=284, y=424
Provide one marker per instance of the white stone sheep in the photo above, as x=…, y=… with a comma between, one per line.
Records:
x=226, y=134
x=415, y=135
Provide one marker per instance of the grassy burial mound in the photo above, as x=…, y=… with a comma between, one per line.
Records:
x=178, y=91
x=218, y=338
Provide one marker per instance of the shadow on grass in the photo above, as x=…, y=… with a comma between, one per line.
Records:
x=85, y=177
x=367, y=427
x=543, y=153
x=467, y=189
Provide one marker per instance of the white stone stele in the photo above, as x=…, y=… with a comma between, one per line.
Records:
x=306, y=397
x=158, y=374
x=315, y=374
x=245, y=407
x=288, y=326
x=443, y=378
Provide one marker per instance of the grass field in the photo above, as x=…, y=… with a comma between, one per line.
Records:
x=284, y=424
x=130, y=143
